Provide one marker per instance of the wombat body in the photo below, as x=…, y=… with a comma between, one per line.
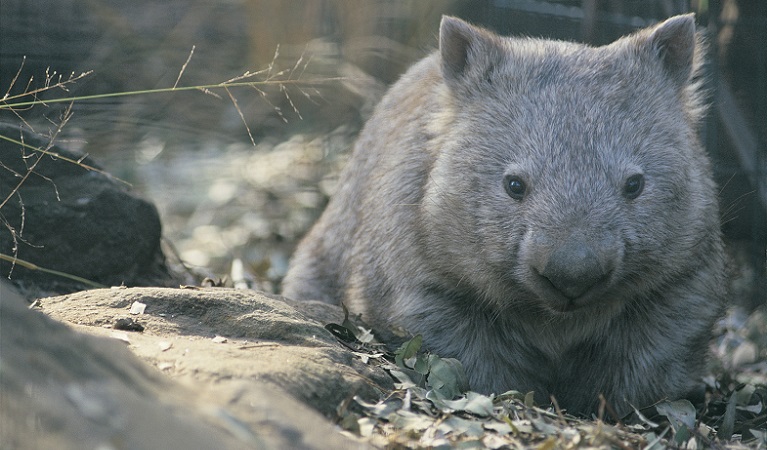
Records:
x=540, y=210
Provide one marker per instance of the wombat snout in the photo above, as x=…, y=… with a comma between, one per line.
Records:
x=575, y=267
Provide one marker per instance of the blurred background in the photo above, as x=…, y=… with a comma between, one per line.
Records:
x=240, y=174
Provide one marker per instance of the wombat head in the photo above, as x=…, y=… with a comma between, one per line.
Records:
x=568, y=176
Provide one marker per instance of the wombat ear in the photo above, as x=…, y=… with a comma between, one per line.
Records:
x=674, y=41
x=466, y=49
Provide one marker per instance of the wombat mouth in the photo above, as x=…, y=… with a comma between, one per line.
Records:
x=559, y=302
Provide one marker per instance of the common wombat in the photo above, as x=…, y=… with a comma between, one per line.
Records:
x=540, y=210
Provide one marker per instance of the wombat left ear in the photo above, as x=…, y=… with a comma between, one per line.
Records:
x=465, y=49
x=674, y=41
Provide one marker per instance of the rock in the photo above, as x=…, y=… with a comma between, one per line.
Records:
x=268, y=340
x=69, y=390
x=68, y=218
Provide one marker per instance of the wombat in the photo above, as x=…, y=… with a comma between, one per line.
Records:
x=540, y=210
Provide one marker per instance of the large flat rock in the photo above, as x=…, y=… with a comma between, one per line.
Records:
x=213, y=368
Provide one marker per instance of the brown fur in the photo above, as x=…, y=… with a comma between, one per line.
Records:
x=602, y=273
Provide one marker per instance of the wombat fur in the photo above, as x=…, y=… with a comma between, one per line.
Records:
x=541, y=210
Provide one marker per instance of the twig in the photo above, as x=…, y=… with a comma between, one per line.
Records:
x=183, y=68
x=6, y=105
x=285, y=92
x=43, y=151
x=15, y=78
x=46, y=87
x=32, y=266
x=271, y=64
x=31, y=169
x=560, y=416
x=242, y=116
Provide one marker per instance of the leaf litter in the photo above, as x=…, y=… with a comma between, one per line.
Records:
x=431, y=407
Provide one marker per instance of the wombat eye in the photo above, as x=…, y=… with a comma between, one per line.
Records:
x=514, y=186
x=633, y=187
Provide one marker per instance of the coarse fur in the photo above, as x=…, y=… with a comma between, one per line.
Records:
x=541, y=210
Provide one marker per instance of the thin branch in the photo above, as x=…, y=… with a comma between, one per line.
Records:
x=183, y=68
x=276, y=108
x=285, y=91
x=31, y=266
x=30, y=169
x=15, y=78
x=271, y=64
x=47, y=87
x=242, y=116
x=61, y=157
x=6, y=105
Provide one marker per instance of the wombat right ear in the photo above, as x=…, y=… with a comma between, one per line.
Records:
x=465, y=49
x=674, y=42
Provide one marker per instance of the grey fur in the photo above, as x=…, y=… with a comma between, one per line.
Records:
x=576, y=287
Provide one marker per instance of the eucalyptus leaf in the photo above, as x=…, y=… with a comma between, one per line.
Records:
x=366, y=426
x=727, y=427
x=544, y=427
x=480, y=405
x=682, y=436
x=364, y=335
x=679, y=413
x=474, y=403
x=502, y=428
x=462, y=381
x=421, y=365
x=492, y=441
x=644, y=419
x=549, y=444
x=510, y=395
x=753, y=409
x=530, y=399
x=410, y=421
x=458, y=425
x=350, y=422
x=382, y=409
x=408, y=350
x=406, y=377
x=744, y=394
x=443, y=378
x=469, y=445
x=760, y=435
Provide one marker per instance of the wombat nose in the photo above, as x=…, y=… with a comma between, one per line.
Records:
x=574, y=268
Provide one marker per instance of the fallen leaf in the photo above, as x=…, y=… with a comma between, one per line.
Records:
x=408, y=350
x=137, y=308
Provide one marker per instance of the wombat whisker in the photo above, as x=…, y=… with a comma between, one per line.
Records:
x=735, y=206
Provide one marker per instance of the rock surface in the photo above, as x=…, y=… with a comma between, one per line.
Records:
x=73, y=219
x=232, y=369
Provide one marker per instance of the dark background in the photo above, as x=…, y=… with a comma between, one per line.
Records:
x=179, y=148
